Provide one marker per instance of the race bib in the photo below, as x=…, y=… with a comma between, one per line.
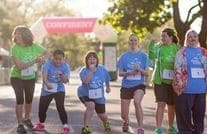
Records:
x=167, y=74
x=28, y=71
x=95, y=93
x=134, y=77
x=197, y=73
x=51, y=90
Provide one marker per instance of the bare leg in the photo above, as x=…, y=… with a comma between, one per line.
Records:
x=171, y=114
x=125, y=109
x=19, y=111
x=90, y=107
x=103, y=117
x=160, y=113
x=138, y=95
x=28, y=109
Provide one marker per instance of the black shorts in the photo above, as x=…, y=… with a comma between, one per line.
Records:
x=164, y=93
x=128, y=93
x=99, y=108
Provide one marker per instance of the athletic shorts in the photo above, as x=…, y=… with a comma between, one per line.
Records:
x=99, y=108
x=164, y=93
x=128, y=93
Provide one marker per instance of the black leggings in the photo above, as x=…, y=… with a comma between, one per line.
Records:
x=23, y=88
x=45, y=102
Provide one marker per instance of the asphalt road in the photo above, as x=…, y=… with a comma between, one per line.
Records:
x=75, y=111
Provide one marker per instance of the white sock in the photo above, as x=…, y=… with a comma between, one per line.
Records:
x=65, y=126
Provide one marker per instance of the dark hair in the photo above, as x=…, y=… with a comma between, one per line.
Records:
x=172, y=33
x=58, y=52
x=26, y=34
x=88, y=55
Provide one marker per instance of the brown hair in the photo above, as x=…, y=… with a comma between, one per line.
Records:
x=26, y=34
x=88, y=55
x=172, y=33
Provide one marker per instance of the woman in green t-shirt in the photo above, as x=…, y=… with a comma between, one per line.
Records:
x=25, y=54
x=162, y=78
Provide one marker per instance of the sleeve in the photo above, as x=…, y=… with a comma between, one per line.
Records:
x=45, y=67
x=120, y=64
x=107, y=76
x=147, y=62
x=152, y=51
x=83, y=73
x=66, y=70
x=14, y=52
x=39, y=49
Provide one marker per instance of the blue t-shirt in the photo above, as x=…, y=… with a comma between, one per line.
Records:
x=127, y=62
x=52, y=76
x=100, y=77
x=194, y=62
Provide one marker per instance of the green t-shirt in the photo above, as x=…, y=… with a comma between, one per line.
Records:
x=152, y=51
x=25, y=55
x=164, y=62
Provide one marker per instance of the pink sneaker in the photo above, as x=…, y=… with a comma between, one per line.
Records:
x=39, y=127
x=65, y=130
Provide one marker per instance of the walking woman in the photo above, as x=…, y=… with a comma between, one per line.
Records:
x=190, y=85
x=162, y=79
x=133, y=67
x=25, y=54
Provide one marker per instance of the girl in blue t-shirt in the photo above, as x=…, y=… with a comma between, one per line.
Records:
x=91, y=91
x=55, y=73
x=190, y=85
x=133, y=67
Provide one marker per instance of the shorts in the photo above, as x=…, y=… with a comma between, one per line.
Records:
x=128, y=93
x=164, y=93
x=99, y=108
x=24, y=90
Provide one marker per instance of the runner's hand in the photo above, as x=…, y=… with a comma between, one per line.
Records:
x=108, y=90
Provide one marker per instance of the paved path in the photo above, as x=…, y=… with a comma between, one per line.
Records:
x=75, y=111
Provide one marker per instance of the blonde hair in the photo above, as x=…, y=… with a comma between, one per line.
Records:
x=26, y=34
x=133, y=35
x=187, y=34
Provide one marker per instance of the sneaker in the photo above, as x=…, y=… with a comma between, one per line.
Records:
x=125, y=127
x=86, y=130
x=28, y=123
x=107, y=126
x=172, y=130
x=140, y=131
x=21, y=129
x=39, y=127
x=65, y=130
x=158, y=131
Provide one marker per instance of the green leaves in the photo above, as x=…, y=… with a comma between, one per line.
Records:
x=138, y=16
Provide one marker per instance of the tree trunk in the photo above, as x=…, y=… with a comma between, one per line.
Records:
x=203, y=32
x=180, y=26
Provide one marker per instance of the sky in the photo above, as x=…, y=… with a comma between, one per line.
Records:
x=89, y=8
x=96, y=8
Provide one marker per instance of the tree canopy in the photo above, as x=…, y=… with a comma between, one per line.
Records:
x=146, y=15
x=16, y=12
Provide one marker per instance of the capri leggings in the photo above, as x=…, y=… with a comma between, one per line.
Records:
x=45, y=102
x=23, y=88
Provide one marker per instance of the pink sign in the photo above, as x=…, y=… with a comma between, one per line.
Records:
x=68, y=25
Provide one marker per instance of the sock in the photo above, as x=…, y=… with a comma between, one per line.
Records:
x=65, y=126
